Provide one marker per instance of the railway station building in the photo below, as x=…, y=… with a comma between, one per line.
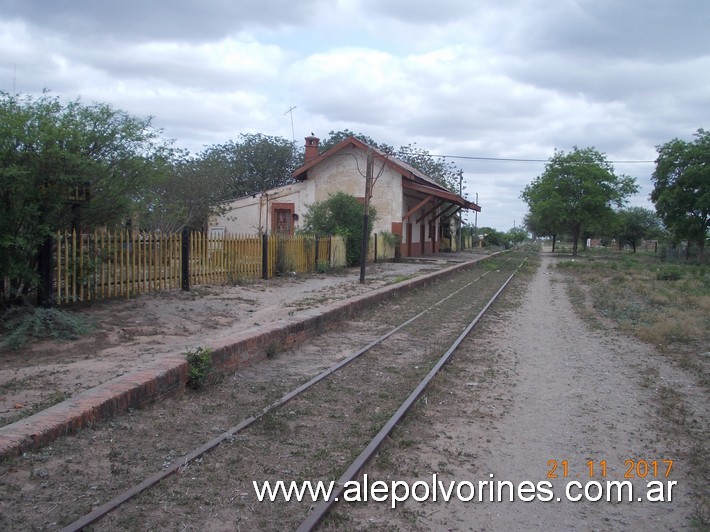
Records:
x=409, y=204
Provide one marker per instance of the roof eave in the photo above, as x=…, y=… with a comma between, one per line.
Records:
x=441, y=193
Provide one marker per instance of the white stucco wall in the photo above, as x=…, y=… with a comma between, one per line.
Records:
x=344, y=172
x=251, y=215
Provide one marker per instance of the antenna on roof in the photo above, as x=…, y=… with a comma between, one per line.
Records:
x=290, y=111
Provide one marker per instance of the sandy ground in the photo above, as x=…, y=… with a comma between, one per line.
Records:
x=536, y=384
x=533, y=384
x=129, y=334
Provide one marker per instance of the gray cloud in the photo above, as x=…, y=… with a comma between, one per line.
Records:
x=424, y=13
x=513, y=79
x=655, y=30
x=155, y=20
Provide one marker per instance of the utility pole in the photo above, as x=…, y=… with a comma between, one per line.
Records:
x=475, y=220
x=366, y=213
x=458, y=247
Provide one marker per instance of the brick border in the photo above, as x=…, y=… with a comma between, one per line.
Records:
x=168, y=375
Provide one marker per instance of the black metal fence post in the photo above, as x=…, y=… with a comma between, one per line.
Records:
x=44, y=268
x=185, y=266
x=315, y=264
x=265, y=256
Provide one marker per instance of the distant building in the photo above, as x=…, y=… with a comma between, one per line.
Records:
x=408, y=203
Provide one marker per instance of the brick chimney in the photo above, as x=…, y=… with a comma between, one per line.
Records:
x=312, y=144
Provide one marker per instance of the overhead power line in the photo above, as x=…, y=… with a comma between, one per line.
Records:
x=512, y=159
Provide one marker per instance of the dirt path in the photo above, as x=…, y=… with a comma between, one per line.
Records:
x=538, y=385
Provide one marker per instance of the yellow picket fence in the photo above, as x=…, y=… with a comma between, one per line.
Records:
x=105, y=264
x=224, y=259
x=110, y=264
x=447, y=244
x=296, y=254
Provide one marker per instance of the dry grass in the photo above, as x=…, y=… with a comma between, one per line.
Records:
x=666, y=305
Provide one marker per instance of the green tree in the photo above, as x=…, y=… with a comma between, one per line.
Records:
x=604, y=224
x=635, y=224
x=516, y=235
x=681, y=192
x=191, y=188
x=63, y=166
x=341, y=214
x=492, y=237
x=576, y=189
x=250, y=165
x=542, y=220
x=444, y=172
x=182, y=195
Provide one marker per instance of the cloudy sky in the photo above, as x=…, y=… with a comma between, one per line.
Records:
x=481, y=79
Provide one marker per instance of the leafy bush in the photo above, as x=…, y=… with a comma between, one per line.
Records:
x=199, y=362
x=22, y=323
x=340, y=214
x=492, y=237
x=390, y=238
x=52, y=150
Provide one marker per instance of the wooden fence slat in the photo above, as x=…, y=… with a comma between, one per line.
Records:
x=157, y=263
x=194, y=260
x=58, y=273
x=145, y=244
x=200, y=259
x=168, y=262
x=134, y=268
x=100, y=258
x=74, y=265
x=176, y=261
x=109, y=263
x=208, y=260
x=81, y=267
x=66, y=267
x=205, y=259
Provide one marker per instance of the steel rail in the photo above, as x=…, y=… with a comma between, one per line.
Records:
x=322, y=509
x=184, y=460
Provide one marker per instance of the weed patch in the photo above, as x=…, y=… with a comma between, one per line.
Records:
x=239, y=279
x=54, y=399
x=25, y=323
x=272, y=350
x=199, y=362
x=672, y=273
x=666, y=305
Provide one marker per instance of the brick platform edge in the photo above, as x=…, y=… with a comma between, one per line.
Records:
x=168, y=375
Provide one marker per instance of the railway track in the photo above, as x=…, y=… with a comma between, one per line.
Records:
x=326, y=428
